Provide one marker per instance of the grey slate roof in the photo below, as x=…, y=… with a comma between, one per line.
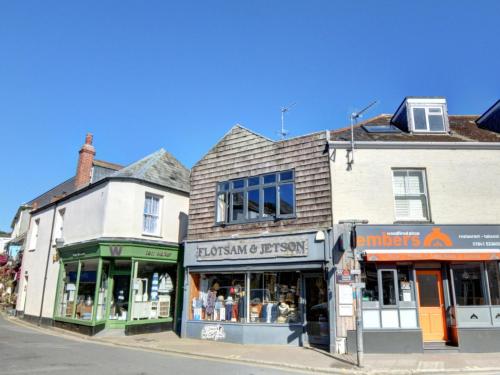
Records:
x=160, y=168
x=463, y=128
x=65, y=188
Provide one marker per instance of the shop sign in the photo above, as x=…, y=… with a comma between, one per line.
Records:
x=344, y=277
x=427, y=237
x=269, y=247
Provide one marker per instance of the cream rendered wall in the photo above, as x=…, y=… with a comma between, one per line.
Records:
x=125, y=208
x=462, y=184
x=84, y=215
x=83, y=220
x=34, y=262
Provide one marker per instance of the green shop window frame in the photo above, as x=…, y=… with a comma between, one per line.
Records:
x=109, y=292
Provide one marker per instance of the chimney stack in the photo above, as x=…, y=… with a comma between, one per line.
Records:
x=85, y=162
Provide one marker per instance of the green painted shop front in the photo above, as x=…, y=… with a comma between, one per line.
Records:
x=118, y=285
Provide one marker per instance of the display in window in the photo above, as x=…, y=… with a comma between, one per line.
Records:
x=86, y=290
x=152, y=291
x=219, y=297
x=273, y=297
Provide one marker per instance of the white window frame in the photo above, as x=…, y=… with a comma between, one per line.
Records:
x=34, y=234
x=427, y=114
x=59, y=227
x=158, y=217
x=425, y=193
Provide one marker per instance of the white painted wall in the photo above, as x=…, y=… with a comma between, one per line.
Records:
x=34, y=262
x=125, y=208
x=114, y=209
x=463, y=184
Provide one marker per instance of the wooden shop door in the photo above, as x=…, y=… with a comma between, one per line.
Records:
x=431, y=305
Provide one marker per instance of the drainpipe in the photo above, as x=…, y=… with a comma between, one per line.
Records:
x=47, y=264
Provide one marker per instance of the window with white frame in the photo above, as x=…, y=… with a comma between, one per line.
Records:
x=410, y=195
x=266, y=197
x=59, y=224
x=152, y=210
x=34, y=234
x=428, y=119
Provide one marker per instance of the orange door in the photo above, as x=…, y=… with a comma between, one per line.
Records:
x=431, y=305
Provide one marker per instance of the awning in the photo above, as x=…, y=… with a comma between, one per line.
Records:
x=393, y=255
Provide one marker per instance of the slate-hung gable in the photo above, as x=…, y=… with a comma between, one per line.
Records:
x=241, y=154
x=258, y=218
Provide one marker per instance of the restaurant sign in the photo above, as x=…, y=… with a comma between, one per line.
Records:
x=266, y=247
x=428, y=237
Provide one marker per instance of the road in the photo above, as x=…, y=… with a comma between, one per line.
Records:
x=30, y=351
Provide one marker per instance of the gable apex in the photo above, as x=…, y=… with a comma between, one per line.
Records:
x=236, y=129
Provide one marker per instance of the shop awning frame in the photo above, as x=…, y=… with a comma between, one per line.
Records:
x=467, y=255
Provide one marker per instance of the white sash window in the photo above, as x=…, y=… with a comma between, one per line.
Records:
x=151, y=224
x=410, y=194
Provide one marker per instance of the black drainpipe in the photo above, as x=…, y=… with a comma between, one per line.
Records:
x=47, y=264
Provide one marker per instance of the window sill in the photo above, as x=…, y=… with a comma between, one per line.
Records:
x=266, y=220
x=413, y=222
x=152, y=235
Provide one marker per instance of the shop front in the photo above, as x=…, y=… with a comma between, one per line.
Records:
x=262, y=290
x=126, y=286
x=429, y=287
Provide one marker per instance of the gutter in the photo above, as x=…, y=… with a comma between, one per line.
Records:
x=417, y=145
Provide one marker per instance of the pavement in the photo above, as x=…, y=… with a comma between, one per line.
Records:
x=290, y=358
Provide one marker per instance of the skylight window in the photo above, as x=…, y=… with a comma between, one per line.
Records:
x=381, y=128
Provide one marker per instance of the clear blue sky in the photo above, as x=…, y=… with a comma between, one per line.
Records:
x=141, y=75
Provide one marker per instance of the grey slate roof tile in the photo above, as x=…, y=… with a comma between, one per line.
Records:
x=160, y=168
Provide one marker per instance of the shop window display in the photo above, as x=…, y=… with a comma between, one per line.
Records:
x=103, y=292
x=153, y=290
x=274, y=297
x=370, y=292
x=405, y=284
x=494, y=282
x=86, y=290
x=219, y=297
x=468, y=284
x=67, y=291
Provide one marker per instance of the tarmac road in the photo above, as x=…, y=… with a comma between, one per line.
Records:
x=29, y=351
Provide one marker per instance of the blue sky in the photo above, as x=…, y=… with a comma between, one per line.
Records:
x=141, y=75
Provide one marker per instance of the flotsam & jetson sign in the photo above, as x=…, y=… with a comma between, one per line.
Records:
x=267, y=247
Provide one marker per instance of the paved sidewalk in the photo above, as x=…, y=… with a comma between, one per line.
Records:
x=304, y=359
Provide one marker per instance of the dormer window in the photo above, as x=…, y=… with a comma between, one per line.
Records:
x=422, y=115
x=428, y=119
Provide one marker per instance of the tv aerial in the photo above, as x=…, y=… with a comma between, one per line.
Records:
x=354, y=120
x=283, y=133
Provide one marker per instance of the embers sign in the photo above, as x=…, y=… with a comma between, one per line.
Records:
x=268, y=247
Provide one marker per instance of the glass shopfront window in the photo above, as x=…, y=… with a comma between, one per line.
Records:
x=264, y=297
x=370, y=292
x=219, y=297
x=86, y=289
x=405, y=284
x=153, y=290
x=274, y=297
x=102, y=296
x=493, y=269
x=388, y=287
x=67, y=291
x=468, y=284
